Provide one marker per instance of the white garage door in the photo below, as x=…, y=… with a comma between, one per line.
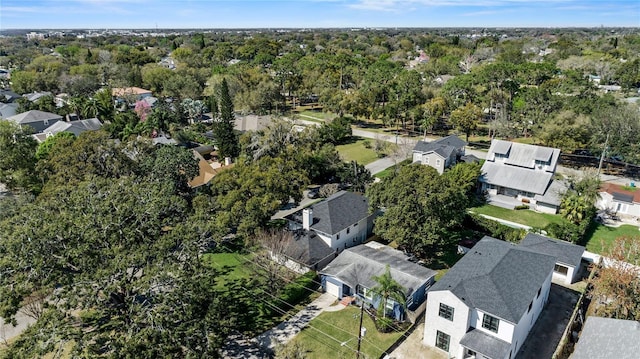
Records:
x=333, y=289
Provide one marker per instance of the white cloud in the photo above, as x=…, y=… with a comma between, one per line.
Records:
x=398, y=5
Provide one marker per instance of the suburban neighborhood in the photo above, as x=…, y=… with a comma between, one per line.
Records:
x=392, y=193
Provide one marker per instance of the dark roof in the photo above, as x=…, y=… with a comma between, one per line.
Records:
x=498, y=278
x=485, y=344
x=608, y=338
x=622, y=197
x=469, y=159
x=307, y=248
x=339, y=211
x=356, y=265
x=454, y=142
x=565, y=252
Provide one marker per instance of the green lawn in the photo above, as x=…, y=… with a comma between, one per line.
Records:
x=231, y=265
x=323, y=337
x=602, y=238
x=523, y=216
x=356, y=151
x=319, y=115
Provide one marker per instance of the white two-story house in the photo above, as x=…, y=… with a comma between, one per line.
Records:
x=523, y=173
x=486, y=304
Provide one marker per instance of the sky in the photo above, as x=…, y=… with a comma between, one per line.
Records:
x=113, y=14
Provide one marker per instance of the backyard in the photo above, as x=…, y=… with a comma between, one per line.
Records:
x=335, y=335
x=231, y=266
x=600, y=238
x=526, y=217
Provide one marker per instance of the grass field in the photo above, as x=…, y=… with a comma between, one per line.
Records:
x=526, y=217
x=355, y=151
x=317, y=115
x=602, y=237
x=324, y=336
x=231, y=265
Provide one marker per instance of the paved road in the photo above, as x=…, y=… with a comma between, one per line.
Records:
x=8, y=331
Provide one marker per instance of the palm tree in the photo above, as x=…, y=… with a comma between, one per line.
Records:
x=386, y=289
x=574, y=207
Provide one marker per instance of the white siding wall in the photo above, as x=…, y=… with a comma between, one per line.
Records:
x=433, y=322
x=505, y=329
x=566, y=279
x=546, y=208
x=357, y=234
x=529, y=319
x=417, y=157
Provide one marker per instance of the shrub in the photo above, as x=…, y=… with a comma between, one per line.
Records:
x=522, y=206
x=366, y=144
x=493, y=228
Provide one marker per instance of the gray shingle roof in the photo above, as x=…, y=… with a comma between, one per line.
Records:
x=339, y=211
x=498, y=278
x=608, y=338
x=523, y=155
x=75, y=127
x=450, y=141
x=33, y=116
x=564, y=252
x=306, y=247
x=519, y=178
x=358, y=264
x=553, y=194
x=485, y=344
x=622, y=197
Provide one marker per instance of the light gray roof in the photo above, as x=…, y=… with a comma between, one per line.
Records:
x=485, y=344
x=35, y=96
x=608, y=338
x=358, y=264
x=445, y=145
x=33, y=116
x=75, y=127
x=339, y=211
x=519, y=178
x=553, y=194
x=498, y=278
x=523, y=155
x=564, y=252
x=8, y=109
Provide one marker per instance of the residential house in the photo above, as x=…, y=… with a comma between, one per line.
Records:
x=130, y=94
x=341, y=220
x=208, y=165
x=486, y=304
x=8, y=109
x=608, y=338
x=516, y=173
x=352, y=272
x=38, y=120
x=9, y=96
x=35, y=96
x=568, y=255
x=305, y=251
x=623, y=200
x=439, y=154
x=76, y=127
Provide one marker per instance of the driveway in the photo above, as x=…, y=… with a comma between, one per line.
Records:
x=547, y=332
x=285, y=331
x=412, y=347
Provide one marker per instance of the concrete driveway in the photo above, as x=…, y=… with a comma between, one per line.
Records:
x=285, y=331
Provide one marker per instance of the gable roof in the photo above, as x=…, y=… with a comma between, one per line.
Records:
x=8, y=109
x=519, y=178
x=485, y=344
x=34, y=116
x=564, y=252
x=75, y=127
x=339, y=211
x=35, y=96
x=357, y=265
x=553, y=193
x=621, y=194
x=608, y=338
x=443, y=146
x=523, y=155
x=498, y=278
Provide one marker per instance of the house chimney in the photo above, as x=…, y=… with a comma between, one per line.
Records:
x=307, y=218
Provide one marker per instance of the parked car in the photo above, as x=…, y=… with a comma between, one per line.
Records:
x=314, y=192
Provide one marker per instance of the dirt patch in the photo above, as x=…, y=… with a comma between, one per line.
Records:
x=547, y=332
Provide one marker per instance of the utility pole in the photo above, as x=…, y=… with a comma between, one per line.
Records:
x=360, y=329
x=604, y=150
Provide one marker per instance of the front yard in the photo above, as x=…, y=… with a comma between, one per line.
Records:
x=335, y=335
x=357, y=151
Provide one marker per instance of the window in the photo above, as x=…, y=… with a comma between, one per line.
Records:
x=491, y=323
x=539, y=291
x=437, y=162
x=446, y=311
x=560, y=269
x=426, y=160
x=530, y=305
x=338, y=236
x=348, y=230
x=442, y=340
